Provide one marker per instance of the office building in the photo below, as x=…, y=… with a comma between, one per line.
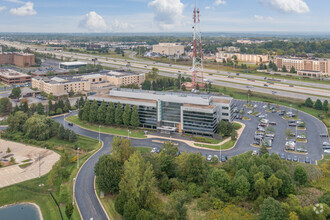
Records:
x=168, y=49
x=17, y=58
x=62, y=85
x=311, y=65
x=11, y=77
x=72, y=65
x=249, y=58
x=168, y=112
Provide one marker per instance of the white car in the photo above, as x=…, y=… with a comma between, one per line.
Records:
x=327, y=151
x=249, y=112
x=255, y=106
x=265, y=106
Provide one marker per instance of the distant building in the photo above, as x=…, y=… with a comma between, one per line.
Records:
x=10, y=77
x=230, y=49
x=168, y=49
x=174, y=112
x=17, y=58
x=314, y=74
x=62, y=85
x=312, y=65
x=72, y=65
x=249, y=58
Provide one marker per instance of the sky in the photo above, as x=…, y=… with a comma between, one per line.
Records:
x=132, y=16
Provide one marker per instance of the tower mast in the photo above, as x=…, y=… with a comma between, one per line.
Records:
x=197, y=65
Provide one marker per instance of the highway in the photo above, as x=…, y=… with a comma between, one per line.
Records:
x=285, y=88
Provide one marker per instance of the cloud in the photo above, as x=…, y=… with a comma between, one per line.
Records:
x=262, y=18
x=93, y=22
x=3, y=8
x=220, y=2
x=287, y=6
x=117, y=25
x=208, y=7
x=167, y=13
x=15, y=1
x=25, y=10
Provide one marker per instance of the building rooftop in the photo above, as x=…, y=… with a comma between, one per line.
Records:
x=73, y=63
x=9, y=73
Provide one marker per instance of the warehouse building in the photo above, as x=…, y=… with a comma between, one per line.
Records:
x=174, y=112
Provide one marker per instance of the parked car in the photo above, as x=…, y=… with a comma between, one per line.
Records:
x=323, y=135
x=289, y=157
x=209, y=158
x=155, y=150
x=282, y=156
x=272, y=123
x=255, y=152
x=223, y=158
x=307, y=160
x=70, y=124
x=249, y=112
x=295, y=158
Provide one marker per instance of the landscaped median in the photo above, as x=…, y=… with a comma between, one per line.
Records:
x=105, y=129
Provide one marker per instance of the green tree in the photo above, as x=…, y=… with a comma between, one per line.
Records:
x=325, y=198
x=127, y=115
x=51, y=96
x=274, y=185
x=325, y=105
x=219, y=178
x=135, y=121
x=263, y=150
x=225, y=128
x=271, y=209
x=195, y=167
x=138, y=181
x=309, y=103
x=233, y=135
x=85, y=115
x=318, y=105
x=108, y=173
x=5, y=106
x=15, y=93
x=93, y=112
x=175, y=208
x=24, y=106
x=292, y=70
x=119, y=114
x=145, y=215
x=131, y=210
x=167, y=158
x=67, y=106
x=59, y=111
x=16, y=121
x=8, y=150
x=110, y=114
x=121, y=149
x=241, y=186
x=287, y=183
x=33, y=108
x=146, y=85
x=40, y=109
x=72, y=136
x=284, y=69
x=300, y=175
x=69, y=210
x=101, y=113
x=38, y=127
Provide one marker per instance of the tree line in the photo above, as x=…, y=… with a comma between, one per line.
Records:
x=267, y=183
x=317, y=105
x=112, y=114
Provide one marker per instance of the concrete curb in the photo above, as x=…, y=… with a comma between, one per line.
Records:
x=99, y=199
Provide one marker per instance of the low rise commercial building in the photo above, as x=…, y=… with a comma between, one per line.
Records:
x=174, y=112
x=11, y=77
x=312, y=65
x=314, y=74
x=249, y=58
x=168, y=49
x=72, y=65
x=62, y=85
x=17, y=58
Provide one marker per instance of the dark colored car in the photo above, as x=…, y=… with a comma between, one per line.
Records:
x=70, y=124
x=307, y=160
x=223, y=158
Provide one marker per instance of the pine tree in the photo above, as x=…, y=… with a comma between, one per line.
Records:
x=67, y=105
x=325, y=105
x=110, y=115
x=292, y=70
x=127, y=115
x=40, y=109
x=72, y=136
x=119, y=114
x=50, y=106
x=135, y=121
x=101, y=113
x=61, y=132
x=318, y=105
x=85, y=115
x=93, y=112
x=284, y=69
x=309, y=103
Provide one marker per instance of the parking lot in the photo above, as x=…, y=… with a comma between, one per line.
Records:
x=310, y=142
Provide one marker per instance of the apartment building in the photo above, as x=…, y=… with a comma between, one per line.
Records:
x=312, y=65
x=62, y=85
x=174, y=112
x=168, y=49
x=11, y=77
x=18, y=59
x=249, y=58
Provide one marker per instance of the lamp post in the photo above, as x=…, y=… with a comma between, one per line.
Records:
x=128, y=132
x=220, y=153
x=99, y=134
x=74, y=179
x=78, y=157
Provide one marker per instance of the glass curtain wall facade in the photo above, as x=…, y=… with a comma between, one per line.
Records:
x=171, y=111
x=199, y=122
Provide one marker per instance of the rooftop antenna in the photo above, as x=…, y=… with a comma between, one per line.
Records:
x=197, y=65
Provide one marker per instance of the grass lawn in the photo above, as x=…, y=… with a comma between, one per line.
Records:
x=105, y=129
x=206, y=140
x=2, y=85
x=29, y=191
x=237, y=126
x=224, y=146
x=326, y=158
x=143, y=149
x=255, y=113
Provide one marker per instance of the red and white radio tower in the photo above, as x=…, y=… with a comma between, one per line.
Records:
x=197, y=67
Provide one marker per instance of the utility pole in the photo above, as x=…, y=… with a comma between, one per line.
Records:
x=78, y=157
x=74, y=179
x=99, y=134
x=220, y=153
